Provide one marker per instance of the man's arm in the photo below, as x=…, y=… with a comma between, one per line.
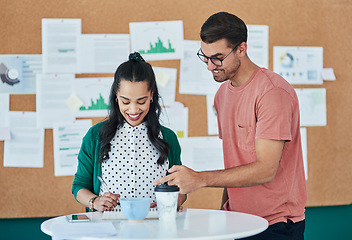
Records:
x=261, y=171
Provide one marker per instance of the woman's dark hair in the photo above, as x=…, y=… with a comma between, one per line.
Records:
x=134, y=70
x=223, y=25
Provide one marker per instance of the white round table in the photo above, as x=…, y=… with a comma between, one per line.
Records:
x=190, y=224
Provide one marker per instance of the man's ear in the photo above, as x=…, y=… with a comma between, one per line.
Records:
x=242, y=49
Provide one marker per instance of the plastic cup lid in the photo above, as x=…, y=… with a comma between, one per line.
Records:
x=166, y=188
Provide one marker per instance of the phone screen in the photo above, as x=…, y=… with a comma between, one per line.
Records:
x=78, y=218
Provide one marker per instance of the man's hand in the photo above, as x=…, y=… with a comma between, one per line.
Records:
x=185, y=178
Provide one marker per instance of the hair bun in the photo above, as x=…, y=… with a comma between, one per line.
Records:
x=136, y=56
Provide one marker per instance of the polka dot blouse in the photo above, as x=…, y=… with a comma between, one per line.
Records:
x=132, y=165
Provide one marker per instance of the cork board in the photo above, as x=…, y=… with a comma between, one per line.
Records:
x=30, y=192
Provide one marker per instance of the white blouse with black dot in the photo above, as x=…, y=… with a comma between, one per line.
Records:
x=132, y=165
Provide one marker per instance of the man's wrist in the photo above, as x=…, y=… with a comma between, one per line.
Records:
x=202, y=176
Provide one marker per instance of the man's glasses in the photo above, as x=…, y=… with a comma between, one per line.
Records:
x=216, y=61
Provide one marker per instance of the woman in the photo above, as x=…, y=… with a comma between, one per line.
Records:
x=131, y=149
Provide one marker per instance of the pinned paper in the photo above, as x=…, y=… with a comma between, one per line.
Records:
x=312, y=106
x=162, y=78
x=202, y=153
x=67, y=141
x=74, y=102
x=299, y=65
x=5, y=133
x=175, y=117
x=52, y=92
x=304, y=150
x=157, y=40
x=94, y=93
x=328, y=74
x=166, y=81
x=26, y=146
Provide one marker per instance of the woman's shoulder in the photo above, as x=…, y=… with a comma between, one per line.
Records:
x=168, y=134
x=167, y=131
x=95, y=129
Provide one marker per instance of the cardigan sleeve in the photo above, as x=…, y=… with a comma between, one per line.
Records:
x=88, y=168
x=175, y=149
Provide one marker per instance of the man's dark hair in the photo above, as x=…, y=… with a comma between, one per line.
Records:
x=223, y=25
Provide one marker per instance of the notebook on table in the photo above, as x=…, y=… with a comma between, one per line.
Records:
x=116, y=214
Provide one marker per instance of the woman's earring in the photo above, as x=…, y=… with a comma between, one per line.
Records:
x=115, y=99
x=151, y=101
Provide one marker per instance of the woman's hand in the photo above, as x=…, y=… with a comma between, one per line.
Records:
x=106, y=202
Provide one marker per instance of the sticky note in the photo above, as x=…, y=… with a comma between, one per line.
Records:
x=74, y=102
x=162, y=78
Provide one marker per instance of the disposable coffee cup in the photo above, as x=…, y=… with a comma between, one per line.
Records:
x=166, y=198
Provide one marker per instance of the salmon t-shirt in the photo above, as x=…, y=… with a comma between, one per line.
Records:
x=265, y=107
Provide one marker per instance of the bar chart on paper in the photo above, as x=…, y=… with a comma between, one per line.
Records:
x=97, y=104
x=157, y=40
x=158, y=47
x=94, y=93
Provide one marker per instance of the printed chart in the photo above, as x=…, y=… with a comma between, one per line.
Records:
x=299, y=65
x=157, y=40
x=94, y=93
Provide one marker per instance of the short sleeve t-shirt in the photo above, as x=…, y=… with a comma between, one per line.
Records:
x=265, y=107
x=132, y=165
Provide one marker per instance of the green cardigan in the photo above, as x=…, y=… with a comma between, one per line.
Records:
x=89, y=168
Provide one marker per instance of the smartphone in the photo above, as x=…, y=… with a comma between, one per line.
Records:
x=77, y=218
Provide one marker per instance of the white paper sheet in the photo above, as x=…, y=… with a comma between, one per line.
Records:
x=258, y=44
x=60, y=45
x=98, y=230
x=94, y=93
x=157, y=40
x=312, y=105
x=328, y=74
x=67, y=143
x=211, y=116
x=103, y=53
x=166, y=82
x=175, y=117
x=202, y=153
x=194, y=76
x=26, y=147
x=11, y=74
x=52, y=92
x=299, y=65
x=304, y=151
x=4, y=110
x=21, y=69
x=5, y=133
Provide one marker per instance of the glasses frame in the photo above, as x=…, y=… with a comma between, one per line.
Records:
x=201, y=56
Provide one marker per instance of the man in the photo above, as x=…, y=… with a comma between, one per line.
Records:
x=258, y=119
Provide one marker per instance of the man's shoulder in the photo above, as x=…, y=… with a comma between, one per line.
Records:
x=273, y=77
x=275, y=80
